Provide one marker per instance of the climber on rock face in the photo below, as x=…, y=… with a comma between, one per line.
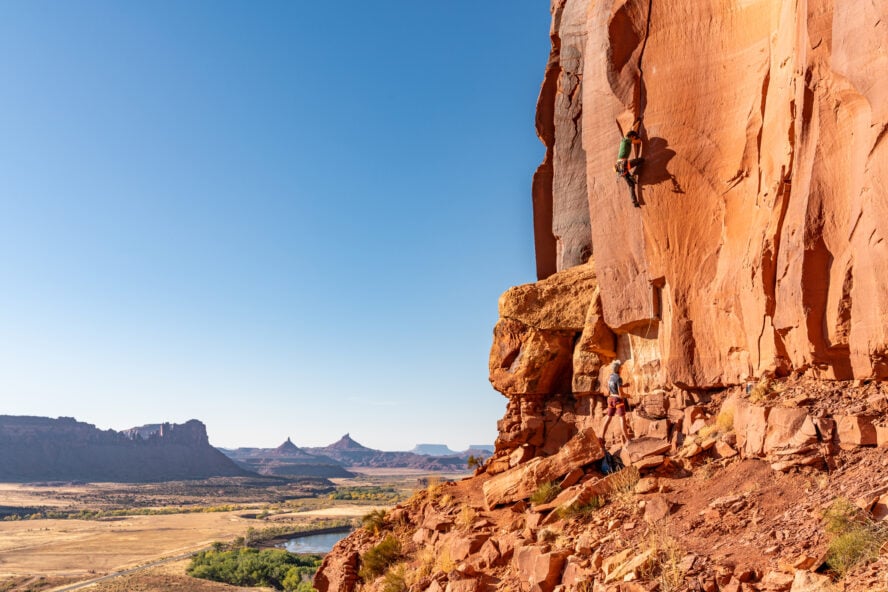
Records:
x=626, y=167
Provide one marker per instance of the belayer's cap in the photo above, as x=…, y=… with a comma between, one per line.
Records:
x=616, y=363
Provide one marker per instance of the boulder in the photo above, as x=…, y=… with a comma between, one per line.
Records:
x=575, y=574
x=806, y=581
x=651, y=428
x=520, y=455
x=338, y=572
x=724, y=450
x=489, y=554
x=882, y=436
x=880, y=509
x=464, y=585
x=855, y=430
x=789, y=428
x=777, y=581
x=535, y=567
x=656, y=508
x=520, y=482
x=647, y=485
x=750, y=425
x=529, y=361
x=463, y=545
x=639, y=448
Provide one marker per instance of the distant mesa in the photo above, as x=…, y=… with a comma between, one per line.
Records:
x=444, y=450
x=351, y=454
x=488, y=448
x=433, y=450
x=287, y=460
x=64, y=449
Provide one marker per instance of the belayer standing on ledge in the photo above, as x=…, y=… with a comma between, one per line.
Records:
x=626, y=168
x=616, y=403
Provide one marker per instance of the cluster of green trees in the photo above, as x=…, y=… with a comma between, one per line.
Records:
x=97, y=514
x=367, y=493
x=275, y=568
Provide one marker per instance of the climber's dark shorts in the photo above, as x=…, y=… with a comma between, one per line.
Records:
x=625, y=167
x=616, y=406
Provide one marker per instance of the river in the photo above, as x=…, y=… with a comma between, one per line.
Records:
x=314, y=543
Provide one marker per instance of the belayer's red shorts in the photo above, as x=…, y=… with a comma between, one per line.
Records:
x=616, y=406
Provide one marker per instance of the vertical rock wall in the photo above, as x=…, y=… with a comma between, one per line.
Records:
x=561, y=212
x=759, y=245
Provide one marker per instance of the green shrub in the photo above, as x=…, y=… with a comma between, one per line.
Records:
x=854, y=537
x=251, y=567
x=395, y=580
x=379, y=558
x=374, y=521
x=545, y=493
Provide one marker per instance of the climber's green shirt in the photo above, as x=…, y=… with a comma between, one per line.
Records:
x=625, y=147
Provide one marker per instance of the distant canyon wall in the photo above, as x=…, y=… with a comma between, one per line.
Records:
x=63, y=449
x=760, y=242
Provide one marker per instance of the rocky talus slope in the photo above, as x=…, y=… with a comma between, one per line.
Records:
x=746, y=298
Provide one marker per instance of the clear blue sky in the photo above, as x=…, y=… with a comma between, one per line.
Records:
x=283, y=218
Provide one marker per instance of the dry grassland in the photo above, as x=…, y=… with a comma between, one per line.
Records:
x=50, y=554
x=169, y=577
x=87, y=547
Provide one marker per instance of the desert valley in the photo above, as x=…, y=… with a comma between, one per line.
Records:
x=695, y=388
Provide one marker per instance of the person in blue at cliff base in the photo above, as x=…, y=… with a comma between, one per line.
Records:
x=616, y=402
x=628, y=168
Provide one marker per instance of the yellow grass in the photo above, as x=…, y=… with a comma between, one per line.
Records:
x=84, y=547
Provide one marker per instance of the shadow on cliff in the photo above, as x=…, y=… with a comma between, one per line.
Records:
x=655, y=169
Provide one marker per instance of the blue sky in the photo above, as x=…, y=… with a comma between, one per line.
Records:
x=280, y=218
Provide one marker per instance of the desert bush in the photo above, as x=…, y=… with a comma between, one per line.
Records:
x=760, y=390
x=374, y=521
x=854, y=537
x=425, y=558
x=444, y=563
x=466, y=516
x=395, y=580
x=433, y=488
x=545, y=493
x=723, y=424
x=664, y=566
x=545, y=535
x=473, y=462
x=582, y=511
x=378, y=559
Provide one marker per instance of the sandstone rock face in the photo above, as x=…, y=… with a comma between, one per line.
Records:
x=560, y=198
x=760, y=244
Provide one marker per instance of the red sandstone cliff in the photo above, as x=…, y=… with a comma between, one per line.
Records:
x=760, y=241
x=757, y=255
